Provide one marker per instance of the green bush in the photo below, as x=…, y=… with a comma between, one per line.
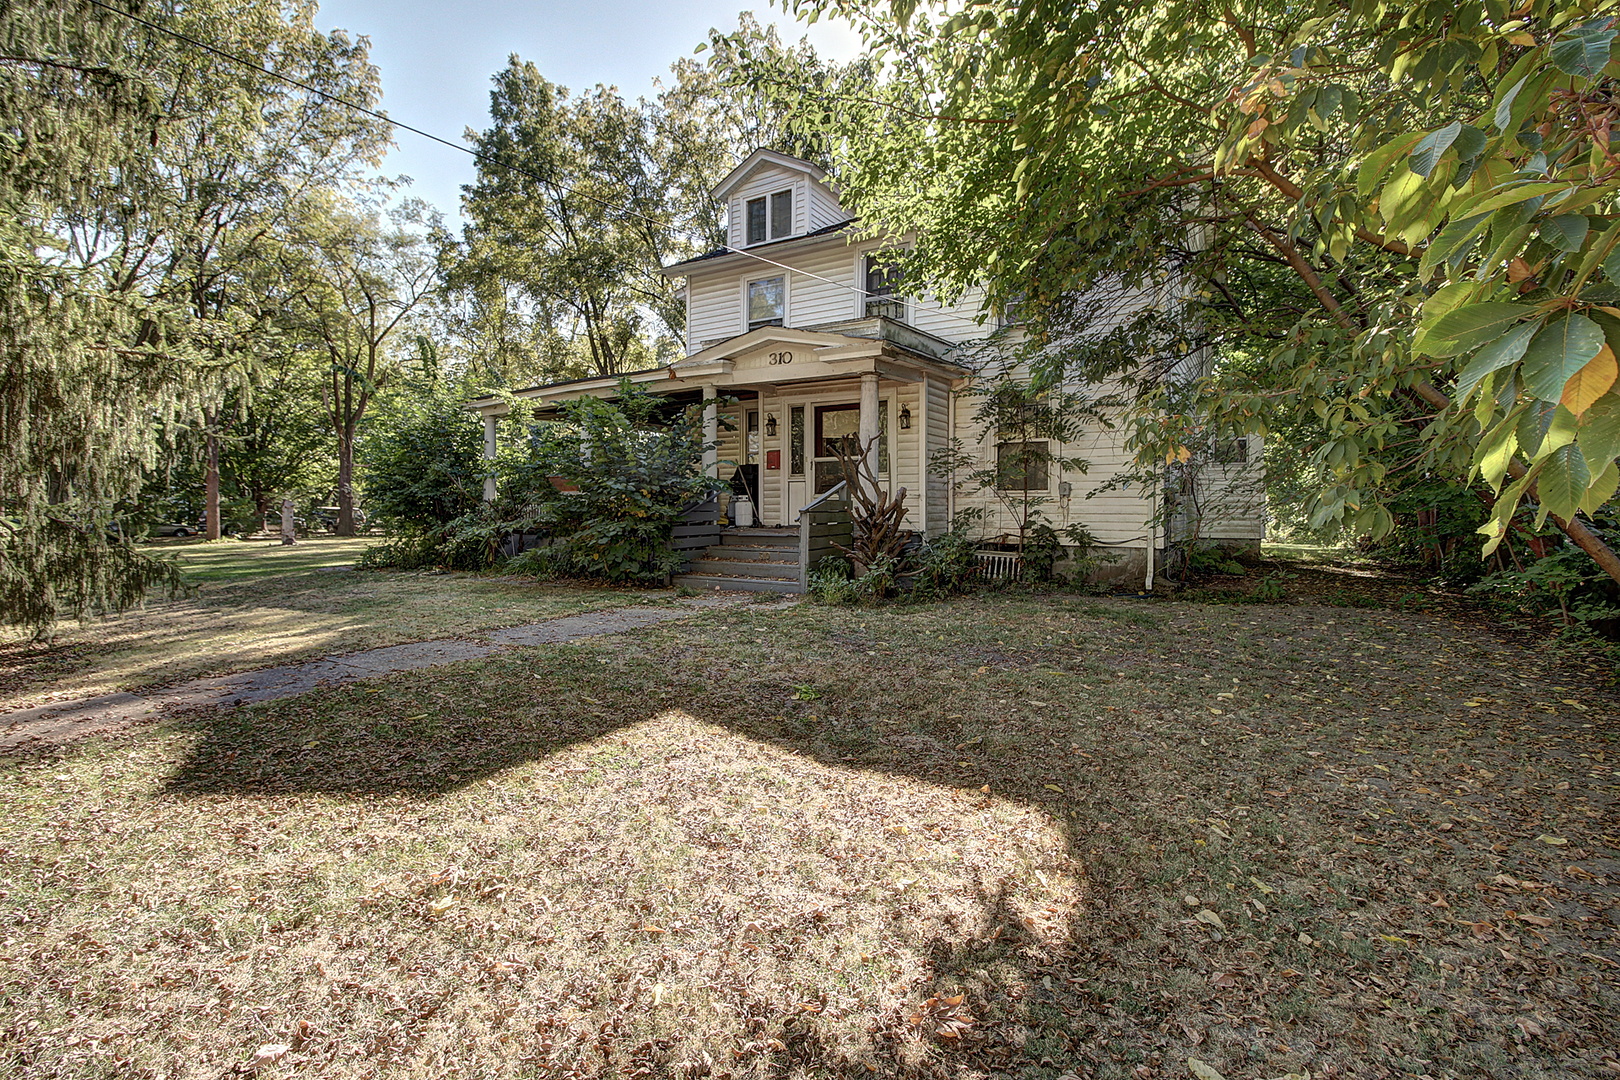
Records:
x=947, y=565
x=1565, y=583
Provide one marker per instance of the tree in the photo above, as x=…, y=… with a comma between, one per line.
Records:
x=1419, y=195
x=117, y=248
x=275, y=440
x=570, y=219
x=357, y=280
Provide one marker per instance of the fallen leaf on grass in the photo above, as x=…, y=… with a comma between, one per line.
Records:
x=1556, y=841
x=1209, y=918
x=270, y=1051
x=1203, y=1070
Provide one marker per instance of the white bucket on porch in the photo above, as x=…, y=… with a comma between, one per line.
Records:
x=743, y=507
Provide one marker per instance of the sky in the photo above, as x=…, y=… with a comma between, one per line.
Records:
x=436, y=60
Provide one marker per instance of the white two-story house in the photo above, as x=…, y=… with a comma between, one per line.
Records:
x=795, y=329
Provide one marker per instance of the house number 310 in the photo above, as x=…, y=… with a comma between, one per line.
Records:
x=781, y=358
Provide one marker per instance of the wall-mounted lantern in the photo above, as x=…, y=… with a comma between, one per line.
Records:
x=905, y=418
x=770, y=425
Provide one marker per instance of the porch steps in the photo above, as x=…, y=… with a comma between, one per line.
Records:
x=747, y=560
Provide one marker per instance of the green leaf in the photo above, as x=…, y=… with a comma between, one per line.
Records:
x=1452, y=238
x=1494, y=450
x=1499, y=354
x=1426, y=154
x=1470, y=141
x=1567, y=232
x=1504, y=106
x=1563, y=483
x=1562, y=348
x=1373, y=167
x=1601, y=490
x=1502, y=511
x=1469, y=326
x=1584, y=51
x=1599, y=432
x=1485, y=202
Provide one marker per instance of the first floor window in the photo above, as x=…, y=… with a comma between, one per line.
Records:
x=767, y=302
x=1022, y=466
x=796, y=441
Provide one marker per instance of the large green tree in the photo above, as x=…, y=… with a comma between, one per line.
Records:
x=355, y=279
x=138, y=175
x=569, y=221
x=1408, y=206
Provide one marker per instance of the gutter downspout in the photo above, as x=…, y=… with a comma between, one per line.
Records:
x=1153, y=531
x=950, y=441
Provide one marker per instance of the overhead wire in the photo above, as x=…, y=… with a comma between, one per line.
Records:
x=477, y=155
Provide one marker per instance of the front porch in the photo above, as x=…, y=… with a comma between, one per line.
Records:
x=779, y=402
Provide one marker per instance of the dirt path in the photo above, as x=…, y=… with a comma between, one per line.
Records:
x=64, y=720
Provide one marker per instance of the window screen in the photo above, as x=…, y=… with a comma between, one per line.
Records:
x=1021, y=466
x=882, y=280
x=756, y=221
x=781, y=214
x=767, y=302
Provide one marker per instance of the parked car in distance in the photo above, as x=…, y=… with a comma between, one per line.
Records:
x=174, y=528
x=326, y=517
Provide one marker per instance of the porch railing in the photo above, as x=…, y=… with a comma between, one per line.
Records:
x=697, y=528
x=823, y=524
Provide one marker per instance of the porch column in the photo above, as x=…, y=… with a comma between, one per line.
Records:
x=921, y=424
x=711, y=433
x=490, y=449
x=869, y=423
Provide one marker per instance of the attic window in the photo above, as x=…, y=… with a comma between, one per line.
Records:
x=779, y=217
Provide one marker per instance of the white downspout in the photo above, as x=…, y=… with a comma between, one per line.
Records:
x=1153, y=531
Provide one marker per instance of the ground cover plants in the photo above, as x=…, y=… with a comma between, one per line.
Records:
x=1001, y=835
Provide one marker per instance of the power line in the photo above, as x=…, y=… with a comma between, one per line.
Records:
x=477, y=155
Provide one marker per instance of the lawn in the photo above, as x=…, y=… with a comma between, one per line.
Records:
x=259, y=604
x=998, y=837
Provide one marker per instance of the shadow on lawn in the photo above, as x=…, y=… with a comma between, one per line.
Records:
x=1137, y=982
x=429, y=736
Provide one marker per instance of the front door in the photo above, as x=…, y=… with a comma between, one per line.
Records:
x=838, y=428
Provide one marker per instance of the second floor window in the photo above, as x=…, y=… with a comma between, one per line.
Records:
x=882, y=284
x=770, y=217
x=767, y=302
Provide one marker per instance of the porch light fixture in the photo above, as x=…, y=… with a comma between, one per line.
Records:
x=770, y=425
x=905, y=418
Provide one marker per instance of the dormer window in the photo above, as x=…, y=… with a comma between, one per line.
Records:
x=882, y=288
x=770, y=217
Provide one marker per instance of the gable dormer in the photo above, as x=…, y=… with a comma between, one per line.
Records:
x=772, y=196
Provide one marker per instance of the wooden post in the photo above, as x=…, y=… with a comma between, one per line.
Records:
x=870, y=422
x=711, y=433
x=491, y=448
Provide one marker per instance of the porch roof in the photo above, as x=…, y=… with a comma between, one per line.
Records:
x=771, y=356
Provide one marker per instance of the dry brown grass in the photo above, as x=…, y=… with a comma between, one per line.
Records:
x=259, y=605
x=997, y=837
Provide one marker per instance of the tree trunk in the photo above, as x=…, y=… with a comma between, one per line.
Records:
x=287, y=535
x=211, y=528
x=345, y=521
